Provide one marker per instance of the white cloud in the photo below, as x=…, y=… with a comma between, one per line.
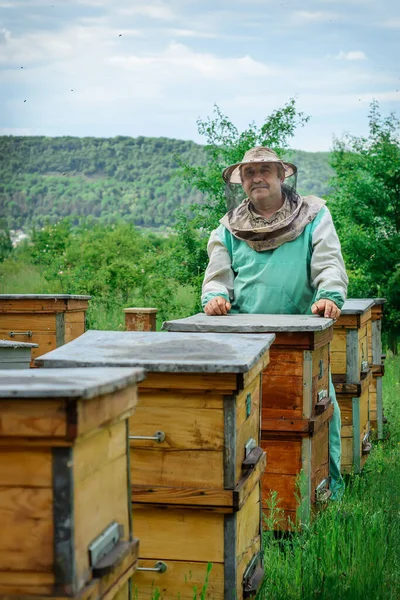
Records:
x=153, y=11
x=304, y=17
x=353, y=55
x=177, y=61
x=192, y=33
x=391, y=24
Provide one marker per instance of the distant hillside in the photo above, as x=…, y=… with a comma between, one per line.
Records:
x=111, y=178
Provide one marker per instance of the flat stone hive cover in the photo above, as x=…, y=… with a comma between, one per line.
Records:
x=43, y=297
x=249, y=323
x=357, y=307
x=66, y=383
x=12, y=344
x=161, y=352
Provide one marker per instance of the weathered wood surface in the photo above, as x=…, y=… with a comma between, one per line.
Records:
x=71, y=383
x=248, y=323
x=161, y=352
x=7, y=344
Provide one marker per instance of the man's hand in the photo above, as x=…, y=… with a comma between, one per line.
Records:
x=217, y=306
x=325, y=308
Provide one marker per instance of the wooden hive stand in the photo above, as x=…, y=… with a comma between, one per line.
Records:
x=375, y=358
x=196, y=463
x=352, y=377
x=65, y=519
x=296, y=408
x=48, y=320
x=15, y=355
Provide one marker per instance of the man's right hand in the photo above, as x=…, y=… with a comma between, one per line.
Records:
x=217, y=306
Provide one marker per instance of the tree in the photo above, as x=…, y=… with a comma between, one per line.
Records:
x=366, y=207
x=225, y=145
x=5, y=240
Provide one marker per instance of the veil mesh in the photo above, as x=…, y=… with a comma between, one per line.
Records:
x=235, y=194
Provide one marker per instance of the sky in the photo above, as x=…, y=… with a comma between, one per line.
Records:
x=152, y=68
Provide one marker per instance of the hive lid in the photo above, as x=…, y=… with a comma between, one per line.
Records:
x=243, y=323
x=65, y=383
x=161, y=352
x=15, y=344
x=355, y=306
x=43, y=297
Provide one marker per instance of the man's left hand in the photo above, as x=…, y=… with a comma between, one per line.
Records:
x=326, y=308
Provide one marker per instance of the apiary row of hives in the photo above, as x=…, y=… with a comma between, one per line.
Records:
x=228, y=409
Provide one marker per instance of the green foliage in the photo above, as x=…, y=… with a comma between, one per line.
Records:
x=117, y=265
x=225, y=145
x=135, y=179
x=365, y=203
x=5, y=240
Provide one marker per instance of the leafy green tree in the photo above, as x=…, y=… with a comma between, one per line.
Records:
x=366, y=207
x=5, y=241
x=225, y=145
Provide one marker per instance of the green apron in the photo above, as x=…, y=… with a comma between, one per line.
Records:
x=278, y=282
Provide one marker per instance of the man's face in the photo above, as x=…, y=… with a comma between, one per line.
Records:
x=262, y=181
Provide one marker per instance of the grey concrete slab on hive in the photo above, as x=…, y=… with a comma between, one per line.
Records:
x=66, y=383
x=43, y=297
x=161, y=352
x=244, y=323
x=355, y=306
x=12, y=344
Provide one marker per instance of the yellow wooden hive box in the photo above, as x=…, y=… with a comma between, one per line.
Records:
x=65, y=516
x=48, y=320
x=196, y=463
x=351, y=375
x=296, y=407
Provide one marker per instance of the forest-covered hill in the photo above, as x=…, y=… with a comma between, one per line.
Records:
x=43, y=178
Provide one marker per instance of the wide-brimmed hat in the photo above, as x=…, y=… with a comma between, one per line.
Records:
x=259, y=154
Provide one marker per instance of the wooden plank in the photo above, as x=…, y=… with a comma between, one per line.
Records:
x=284, y=485
x=284, y=392
x=26, y=524
x=111, y=584
x=230, y=536
x=285, y=360
x=176, y=399
x=229, y=453
x=175, y=468
x=25, y=468
x=105, y=409
x=365, y=317
x=73, y=317
x=60, y=329
x=73, y=330
x=92, y=453
x=283, y=456
x=248, y=524
x=283, y=424
x=179, y=581
x=37, y=322
x=254, y=389
x=246, y=379
x=185, y=428
x=179, y=534
x=189, y=381
x=182, y=496
x=348, y=321
x=50, y=305
x=98, y=500
x=42, y=418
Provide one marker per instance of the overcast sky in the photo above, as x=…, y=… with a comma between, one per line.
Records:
x=151, y=68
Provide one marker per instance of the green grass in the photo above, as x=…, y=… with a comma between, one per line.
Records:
x=352, y=549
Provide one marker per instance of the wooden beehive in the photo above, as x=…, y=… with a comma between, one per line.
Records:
x=351, y=376
x=65, y=517
x=15, y=355
x=48, y=320
x=375, y=358
x=140, y=319
x=196, y=463
x=296, y=408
